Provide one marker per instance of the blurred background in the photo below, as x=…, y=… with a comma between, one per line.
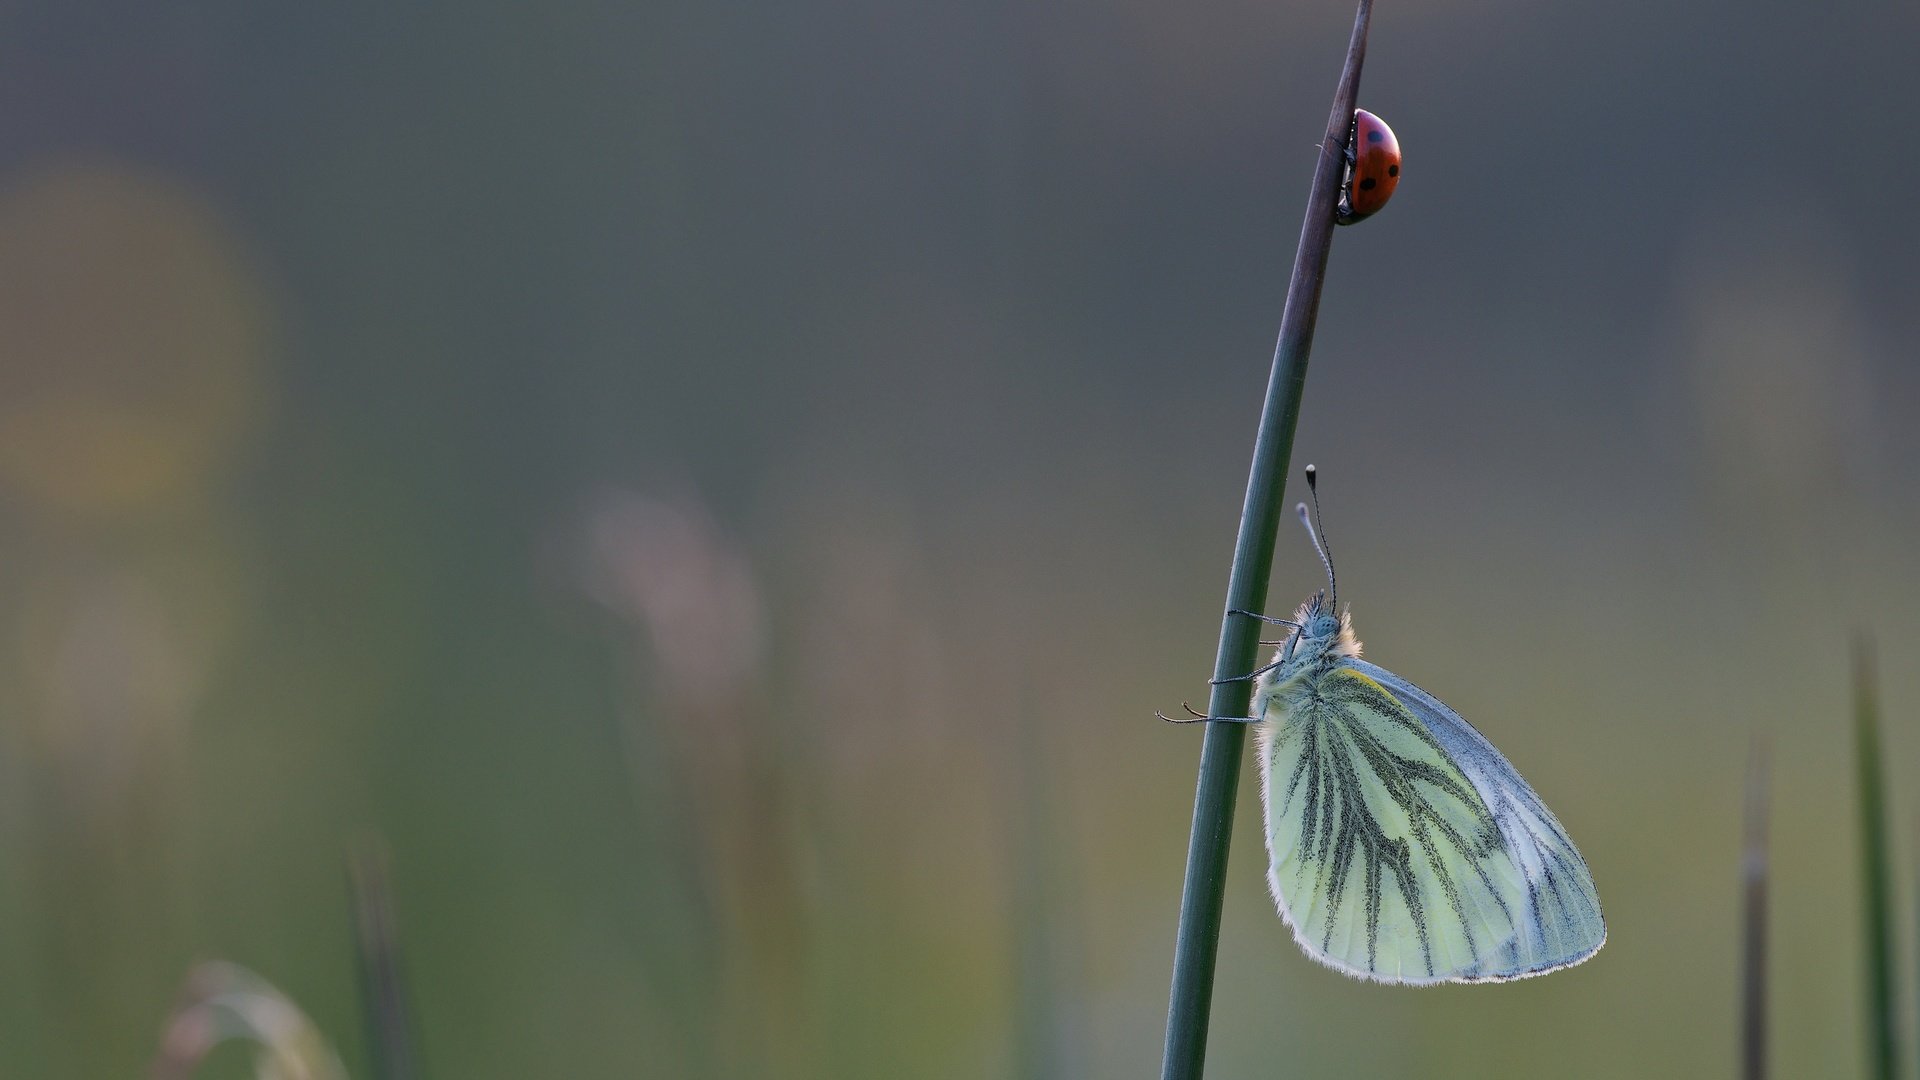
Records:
x=718, y=490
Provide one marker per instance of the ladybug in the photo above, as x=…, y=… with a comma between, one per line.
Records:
x=1373, y=169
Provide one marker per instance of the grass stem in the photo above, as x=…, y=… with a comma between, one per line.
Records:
x=377, y=940
x=1753, y=921
x=1883, y=1055
x=1196, y=945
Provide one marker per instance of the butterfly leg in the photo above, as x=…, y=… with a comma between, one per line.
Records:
x=1194, y=716
x=1264, y=618
x=1254, y=674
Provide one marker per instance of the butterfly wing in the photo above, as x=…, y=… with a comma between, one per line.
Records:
x=1561, y=924
x=1404, y=848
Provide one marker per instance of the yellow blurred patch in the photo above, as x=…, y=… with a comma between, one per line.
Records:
x=132, y=342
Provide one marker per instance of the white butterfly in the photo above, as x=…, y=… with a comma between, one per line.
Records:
x=1402, y=847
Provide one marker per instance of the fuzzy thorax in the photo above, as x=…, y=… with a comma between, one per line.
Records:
x=1323, y=639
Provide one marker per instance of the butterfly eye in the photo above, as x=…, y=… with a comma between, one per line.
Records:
x=1325, y=626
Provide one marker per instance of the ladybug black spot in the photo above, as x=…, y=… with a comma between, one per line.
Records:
x=1393, y=170
x=1374, y=136
x=1367, y=184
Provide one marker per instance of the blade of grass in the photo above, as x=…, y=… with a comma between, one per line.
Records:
x=222, y=1002
x=389, y=1021
x=1876, y=880
x=1753, y=921
x=1196, y=945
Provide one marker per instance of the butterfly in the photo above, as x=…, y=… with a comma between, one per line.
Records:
x=1402, y=847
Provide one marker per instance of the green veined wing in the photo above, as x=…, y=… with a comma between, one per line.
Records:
x=1561, y=924
x=1403, y=847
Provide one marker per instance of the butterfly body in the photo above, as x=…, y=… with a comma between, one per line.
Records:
x=1402, y=846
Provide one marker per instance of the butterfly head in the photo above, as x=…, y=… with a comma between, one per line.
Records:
x=1324, y=631
x=1317, y=618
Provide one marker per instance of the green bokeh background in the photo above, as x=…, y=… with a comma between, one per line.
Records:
x=718, y=489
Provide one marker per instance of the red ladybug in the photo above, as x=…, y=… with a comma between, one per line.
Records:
x=1373, y=169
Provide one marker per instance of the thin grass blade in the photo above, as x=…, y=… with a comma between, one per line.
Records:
x=221, y=1003
x=377, y=941
x=1883, y=1052
x=1203, y=890
x=1753, y=920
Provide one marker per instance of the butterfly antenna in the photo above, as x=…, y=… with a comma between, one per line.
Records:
x=1318, y=535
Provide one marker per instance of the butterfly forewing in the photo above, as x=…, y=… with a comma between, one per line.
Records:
x=1561, y=922
x=1402, y=846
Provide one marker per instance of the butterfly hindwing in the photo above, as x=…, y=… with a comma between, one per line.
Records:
x=1403, y=847
x=1562, y=924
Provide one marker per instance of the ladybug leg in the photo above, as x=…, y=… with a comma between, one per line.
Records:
x=1346, y=152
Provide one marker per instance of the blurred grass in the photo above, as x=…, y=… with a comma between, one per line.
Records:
x=385, y=1003
x=1753, y=917
x=1882, y=956
x=224, y=1003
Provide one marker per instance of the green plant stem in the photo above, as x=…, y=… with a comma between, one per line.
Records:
x=1876, y=881
x=1196, y=945
x=1753, y=875
x=389, y=1017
